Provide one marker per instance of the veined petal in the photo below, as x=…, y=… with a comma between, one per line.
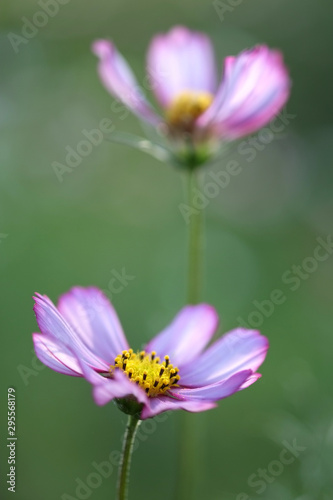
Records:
x=185, y=338
x=238, y=350
x=55, y=356
x=161, y=404
x=195, y=400
x=119, y=80
x=228, y=65
x=251, y=380
x=214, y=392
x=178, y=61
x=254, y=88
x=106, y=389
x=93, y=318
x=55, y=327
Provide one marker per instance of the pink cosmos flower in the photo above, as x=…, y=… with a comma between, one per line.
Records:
x=83, y=337
x=183, y=76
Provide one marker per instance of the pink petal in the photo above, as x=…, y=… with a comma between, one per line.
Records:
x=55, y=327
x=251, y=380
x=56, y=356
x=178, y=61
x=254, y=88
x=214, y=392
x=94, y=320
x=161, y=404
x=238, y=350
x=196, y=400
x=185, y=338
x=119, y=80
x=106, y=389
x=228, y=65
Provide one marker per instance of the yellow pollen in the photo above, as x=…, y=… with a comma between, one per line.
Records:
x=186, y=107
x=146, y=370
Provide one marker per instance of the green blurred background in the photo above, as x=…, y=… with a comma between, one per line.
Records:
x=119, y=209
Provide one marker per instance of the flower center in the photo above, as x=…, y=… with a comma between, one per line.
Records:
x=146, y=370
x=186, y=107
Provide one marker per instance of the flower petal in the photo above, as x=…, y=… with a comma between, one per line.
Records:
x=160, y=404
x=185, y=338
x=55, y=356
x=179, y=61
x=251, y=380
x=195, y=400
x=214, y=392
x=119, y=80
x=55, y=327
x=254, y=88
x=238, y=350
x=93, y=318
x=106, y=389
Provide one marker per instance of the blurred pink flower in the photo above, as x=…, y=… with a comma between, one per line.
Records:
x=183, y=76
x=83, y=337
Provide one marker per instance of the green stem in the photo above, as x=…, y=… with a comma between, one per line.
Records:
x=191, y=431
x=196, y=244
x=124, y=467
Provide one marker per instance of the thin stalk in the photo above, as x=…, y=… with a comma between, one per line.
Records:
x=190, y=453
x=195, y=243
x=124, y=467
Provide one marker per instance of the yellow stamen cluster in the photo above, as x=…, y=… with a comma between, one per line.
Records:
x=187, y=107
x=146, y=370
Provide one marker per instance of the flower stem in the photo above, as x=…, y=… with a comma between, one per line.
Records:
x=124, y=467
x=195, y=243
x=191, y=431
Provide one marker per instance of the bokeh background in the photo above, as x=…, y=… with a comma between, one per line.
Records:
x=120, y=209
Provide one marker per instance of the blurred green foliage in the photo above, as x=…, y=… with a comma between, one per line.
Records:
x=119, y=209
